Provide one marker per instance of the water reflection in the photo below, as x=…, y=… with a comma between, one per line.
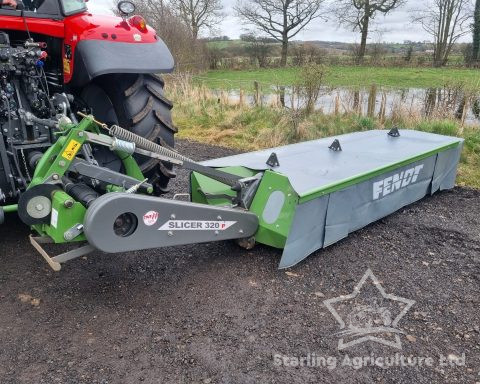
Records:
x=373, y=101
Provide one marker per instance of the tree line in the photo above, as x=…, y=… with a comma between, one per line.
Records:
x=182, y=22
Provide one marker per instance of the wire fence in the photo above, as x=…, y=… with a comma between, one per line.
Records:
x=453, y=101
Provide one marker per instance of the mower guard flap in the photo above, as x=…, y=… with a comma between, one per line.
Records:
x=338, y=192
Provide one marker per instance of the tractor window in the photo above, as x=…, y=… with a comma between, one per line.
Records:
x=73, y=6
x=33, y=5
x=36, y=8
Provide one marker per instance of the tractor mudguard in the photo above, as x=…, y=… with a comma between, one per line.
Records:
x=94, y=58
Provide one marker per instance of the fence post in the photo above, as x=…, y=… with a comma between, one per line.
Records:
x=383, y=107
x=256, y=85
x=337, y=104
x=372, y=99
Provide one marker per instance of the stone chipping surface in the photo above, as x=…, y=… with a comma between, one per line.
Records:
x=214, y=313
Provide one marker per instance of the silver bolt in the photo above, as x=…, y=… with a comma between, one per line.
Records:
x=39, y=207
x=216, y=233
x=219, y=217
x=61, y=163
x=80, y=134
x=55, y=176
x=172, y=216
x=170, y=233
x=240, y=231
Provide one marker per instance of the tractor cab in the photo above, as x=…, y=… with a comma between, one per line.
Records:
x=48, y=9
x=56, y=58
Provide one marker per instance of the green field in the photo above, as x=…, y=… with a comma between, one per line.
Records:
x=226, y=44
x=351, y=76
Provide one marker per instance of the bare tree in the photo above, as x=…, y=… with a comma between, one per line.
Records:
x=188, y=53
x=358, y=14
x=198, y=14
x=476, y=33
x=446, y=21
x=280, y=19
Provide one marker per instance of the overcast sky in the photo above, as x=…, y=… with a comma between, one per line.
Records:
x=396, y=26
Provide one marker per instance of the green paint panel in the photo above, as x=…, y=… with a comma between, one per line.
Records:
x=201, y=185
x=131, y=167
x=59, y=156
x=56, y=161
x=10, y=208
x=274, y=234
x=64, y=218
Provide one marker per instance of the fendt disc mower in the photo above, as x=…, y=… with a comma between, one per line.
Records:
x=87, y=150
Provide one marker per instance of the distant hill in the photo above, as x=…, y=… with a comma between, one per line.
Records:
x=331, y=46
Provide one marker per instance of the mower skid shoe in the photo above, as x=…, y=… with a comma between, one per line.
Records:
x=55, y=261
x=122, y=222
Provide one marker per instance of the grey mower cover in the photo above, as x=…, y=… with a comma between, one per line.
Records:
x=373, y=175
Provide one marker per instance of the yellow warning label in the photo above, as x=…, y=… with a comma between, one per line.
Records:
x=72, y=148
x=66, y=66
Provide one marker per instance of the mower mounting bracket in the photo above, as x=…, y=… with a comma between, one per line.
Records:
x=55, y=261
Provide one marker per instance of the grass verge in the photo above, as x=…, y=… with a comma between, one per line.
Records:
x=250, y=128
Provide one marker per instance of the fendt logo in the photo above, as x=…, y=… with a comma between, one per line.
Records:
x=394, y=183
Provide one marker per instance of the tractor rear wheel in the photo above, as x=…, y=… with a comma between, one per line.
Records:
x=137, y=103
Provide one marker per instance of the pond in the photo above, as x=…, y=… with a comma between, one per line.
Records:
x=379, y=102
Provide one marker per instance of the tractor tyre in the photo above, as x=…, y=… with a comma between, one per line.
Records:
x=137, y=103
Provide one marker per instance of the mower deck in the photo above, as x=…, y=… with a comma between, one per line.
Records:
x=319, y=193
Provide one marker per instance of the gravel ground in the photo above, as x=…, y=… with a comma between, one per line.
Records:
x=214, y=313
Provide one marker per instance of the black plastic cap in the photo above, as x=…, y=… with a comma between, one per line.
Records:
x=394, y=132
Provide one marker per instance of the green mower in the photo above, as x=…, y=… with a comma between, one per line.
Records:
x=298, y=198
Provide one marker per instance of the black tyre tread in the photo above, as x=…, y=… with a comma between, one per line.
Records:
x=155, y=132
x=163, y=143
x=144, y=112
x=134, y=87
x=168, y=125
x=141, y=107
x=158, y=79
x=148, y=165
x=159, y=96
x=167, y=172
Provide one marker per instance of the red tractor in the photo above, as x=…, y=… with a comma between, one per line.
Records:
x=57, y=58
